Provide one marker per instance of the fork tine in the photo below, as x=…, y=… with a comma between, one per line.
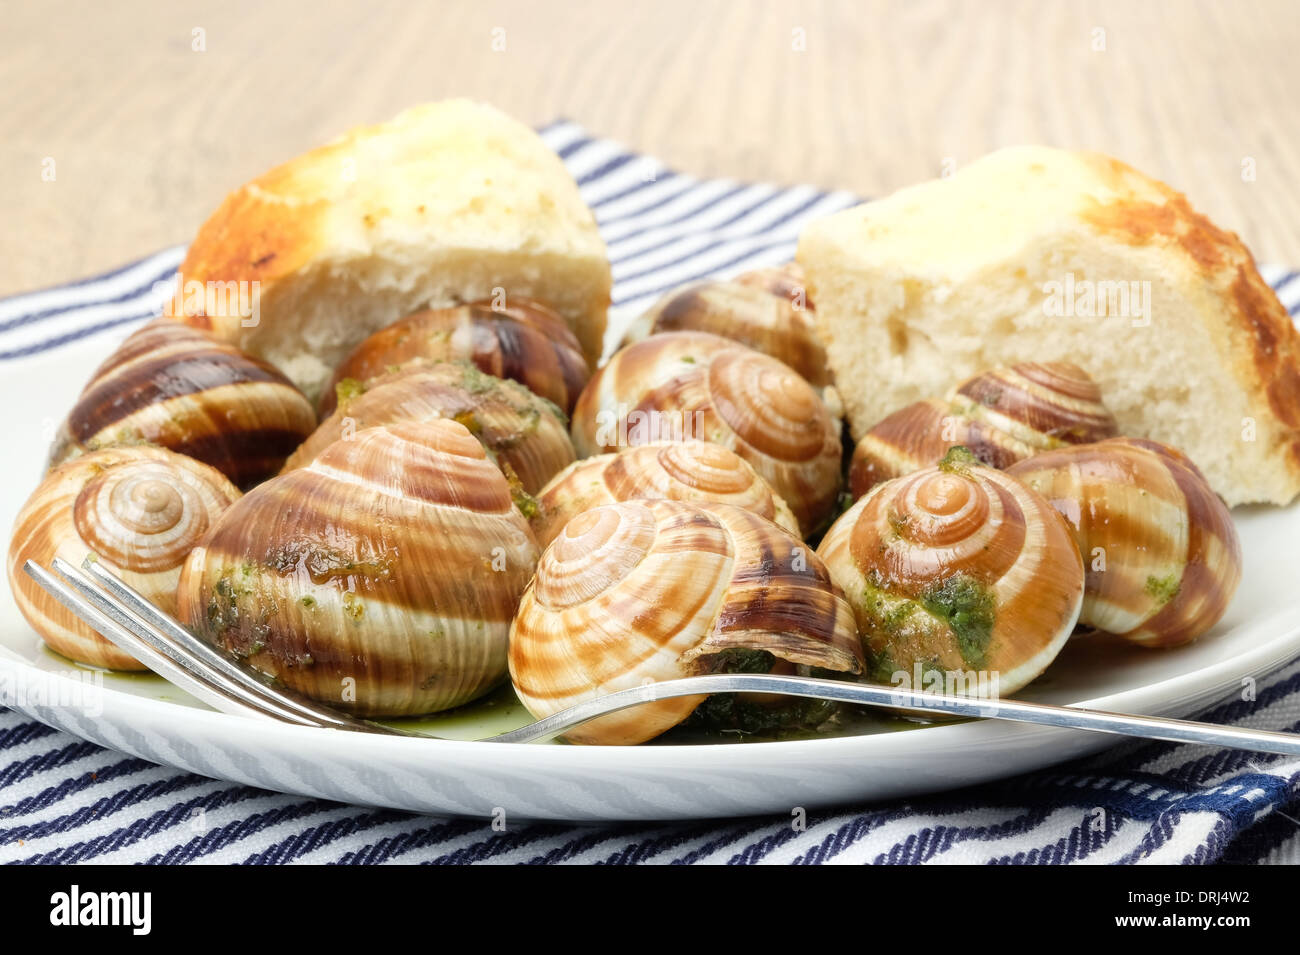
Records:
x=161, y=650
x=69, y=596
x=174, y=660
x=189, y=650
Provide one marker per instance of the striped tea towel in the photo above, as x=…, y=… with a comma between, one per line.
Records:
x=66, y=800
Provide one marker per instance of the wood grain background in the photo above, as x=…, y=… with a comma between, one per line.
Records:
x=146, y=133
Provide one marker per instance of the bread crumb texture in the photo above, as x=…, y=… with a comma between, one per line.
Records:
x=1042, y=254
x=448, y=202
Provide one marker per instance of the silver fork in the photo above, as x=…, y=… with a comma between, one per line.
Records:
x=227, y=683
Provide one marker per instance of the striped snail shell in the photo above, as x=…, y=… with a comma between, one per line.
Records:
x=957, y=571
x=524, y=434
x=138, y=510
x=766, y=311
x=1001, y=416
x=178, y=388
x=680, y=385
x=650, y=590
x=785, y=281
x=524, y=341
x=1160, y=548
x=685, y=471
x=380, y=578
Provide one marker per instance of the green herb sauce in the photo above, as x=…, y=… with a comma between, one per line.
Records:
x=959, y=460
x=1162, y=589
x=348, y=389
x=737, y=714
x=967, y=606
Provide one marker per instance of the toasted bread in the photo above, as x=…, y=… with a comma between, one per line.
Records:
x=447, y=203
x=1042, y=254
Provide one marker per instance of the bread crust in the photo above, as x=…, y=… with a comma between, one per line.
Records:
x=1083, y=193
x=1258, y=336
x=439, y=184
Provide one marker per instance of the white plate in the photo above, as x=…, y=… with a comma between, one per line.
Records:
x=148, y=718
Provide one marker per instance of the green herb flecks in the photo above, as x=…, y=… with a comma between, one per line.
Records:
x=1162, y=589
x=528, y=505
x=237, y=617
x=967, y=606
x=476, y=381
x=347, y=389
x=732, y=713
x=737, y=713
x=525, y=502
x=959, y=460
x=881, y=612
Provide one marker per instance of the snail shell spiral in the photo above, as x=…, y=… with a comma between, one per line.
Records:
x=1162, y=554
x=765, y=310
x=381, y=578
x=653, y=590
x=681, y=385
x=525, y=435
x=1001, y=416
x=686, y=471
x=139, y=510
x=957, y=568
x=524, y=341
x=178, y=388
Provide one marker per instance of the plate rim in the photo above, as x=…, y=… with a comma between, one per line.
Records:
x=1198, y=684
x=1180, y=694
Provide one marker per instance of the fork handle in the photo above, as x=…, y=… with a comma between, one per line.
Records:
x=1066, y=717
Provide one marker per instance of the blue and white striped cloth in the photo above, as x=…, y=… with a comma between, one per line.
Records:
x=66, y=800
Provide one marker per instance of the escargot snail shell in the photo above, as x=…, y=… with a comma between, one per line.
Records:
x=1161, y=551
x=138, y=510
x=786, y=281
x=380, y=578
x=523, y=340
x=957, y=570
x=1001, y=416
x=765, y=311
x=686, y=471
x=680, y=385
x=649, y=590
x=525, y=435
x=173, y=386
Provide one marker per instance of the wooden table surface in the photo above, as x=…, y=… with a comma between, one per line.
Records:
x=123, y=124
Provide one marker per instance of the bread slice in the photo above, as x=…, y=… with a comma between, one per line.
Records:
x=443, y=204
x=1042, y=254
